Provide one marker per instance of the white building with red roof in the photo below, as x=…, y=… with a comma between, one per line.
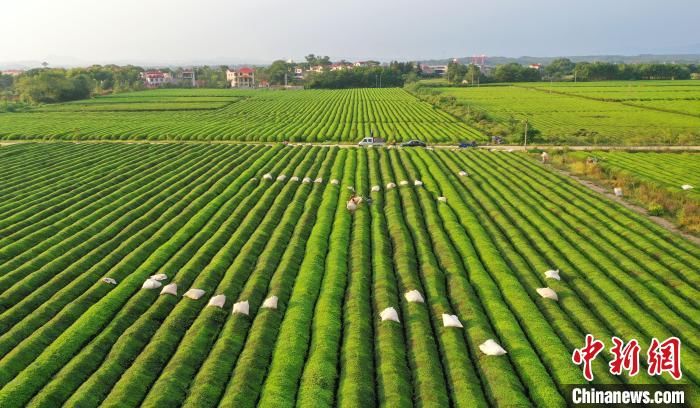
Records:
x=155, y=78
x=241, y=78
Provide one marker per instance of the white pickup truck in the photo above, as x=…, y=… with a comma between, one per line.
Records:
x=372, y=141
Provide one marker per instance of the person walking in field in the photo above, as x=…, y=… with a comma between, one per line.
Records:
x=545, y=157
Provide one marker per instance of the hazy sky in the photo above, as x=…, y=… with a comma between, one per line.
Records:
x=262, y=30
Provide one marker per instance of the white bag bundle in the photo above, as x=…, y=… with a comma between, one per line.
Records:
x=241, y=307
x=151, y=284
x=548, y=293
x=403, y=183
x=491, y=348
x=376, y=188
x=351, y=206
x=552, y=274
x=306, y=180
x=414, y=296
x=217, y=301
x=417, y=183
x=335, y=182
x=169, y=289
x=462, y=173
x=451, y=320
x=389, y=314
x=194, y=294
x=254, y=179
x=281, y=177
x=109, y=280
x=270, y=303
x=159, y=277
x=687, y=187
x=294, y=178
x=267, y=176
x=318, y=180
x=618, y=191
x=442, y=199
x=390, y=186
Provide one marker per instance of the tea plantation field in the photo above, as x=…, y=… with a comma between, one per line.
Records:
x=644, y=112
x=240, y=115
x=266, y=290
x=670, y=170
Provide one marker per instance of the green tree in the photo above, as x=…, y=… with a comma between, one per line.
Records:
x=514, y=72
x=560, y=68
x=455, y=72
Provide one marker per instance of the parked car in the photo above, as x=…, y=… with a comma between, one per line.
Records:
x=413, y=143
x=372, y=141
x=464, y=145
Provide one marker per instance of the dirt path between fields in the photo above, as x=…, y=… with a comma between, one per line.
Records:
x=601, y=147
x=354, y=144
x=662, y=222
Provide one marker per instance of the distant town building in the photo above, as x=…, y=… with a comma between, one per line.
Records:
x=13, y=72
x=535, y=66
x=298, y=73
x=155, y=78
x=241, y=78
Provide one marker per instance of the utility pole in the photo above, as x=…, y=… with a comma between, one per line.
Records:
x=525, y=133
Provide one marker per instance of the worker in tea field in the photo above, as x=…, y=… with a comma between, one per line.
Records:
x=545, y=157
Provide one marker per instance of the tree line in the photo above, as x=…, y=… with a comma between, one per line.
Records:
x=563, y=69
x=50, y=85
x=396, y=74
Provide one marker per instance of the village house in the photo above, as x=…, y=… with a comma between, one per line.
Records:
x=316, y=68
x=361, y=64
x=434, y=69
x=188, y=76
x=340, y=66
x=241, y=78
x=156, y=78
x=12, y=72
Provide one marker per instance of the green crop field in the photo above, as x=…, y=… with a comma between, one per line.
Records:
x=597, y=112
x=225, y=114
x=663, y=182
x=223, y=219
x=673, y=96
x=671, y=170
